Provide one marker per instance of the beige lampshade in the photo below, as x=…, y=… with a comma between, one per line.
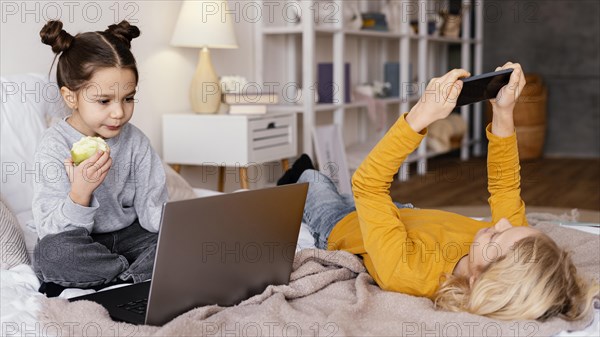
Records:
x=201, y=23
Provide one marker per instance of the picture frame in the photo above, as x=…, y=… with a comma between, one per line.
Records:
x=331, y=156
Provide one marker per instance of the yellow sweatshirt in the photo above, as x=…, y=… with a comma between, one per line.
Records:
x=409, y=250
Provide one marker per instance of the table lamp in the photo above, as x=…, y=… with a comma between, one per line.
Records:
x=204, y=24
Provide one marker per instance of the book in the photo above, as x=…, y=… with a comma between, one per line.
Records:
x=247, y=109
x=391, y=74
x=250, y=98
x=325, y=86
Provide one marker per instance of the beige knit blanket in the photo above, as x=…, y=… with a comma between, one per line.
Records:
x=330, y=294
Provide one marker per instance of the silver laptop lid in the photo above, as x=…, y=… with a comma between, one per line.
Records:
x=224, y=249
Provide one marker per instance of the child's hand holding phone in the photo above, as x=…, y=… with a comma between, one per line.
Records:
x=509, y=94
x=87, y=176
x=503, y=105
x=438, y=100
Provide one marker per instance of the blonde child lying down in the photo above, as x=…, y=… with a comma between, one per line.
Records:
x=502, y=269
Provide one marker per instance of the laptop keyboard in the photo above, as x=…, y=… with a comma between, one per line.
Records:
x=137, y=306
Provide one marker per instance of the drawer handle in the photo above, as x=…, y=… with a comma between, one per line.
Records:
x=271, y=125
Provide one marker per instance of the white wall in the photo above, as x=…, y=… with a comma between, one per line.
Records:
x=165, y=71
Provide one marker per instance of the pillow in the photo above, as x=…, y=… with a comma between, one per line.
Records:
x=177, y=187
x=27, y=101
x=12, y=245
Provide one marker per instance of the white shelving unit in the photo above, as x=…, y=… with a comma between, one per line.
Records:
x=428, y=55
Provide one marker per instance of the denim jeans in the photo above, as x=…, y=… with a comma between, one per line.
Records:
x=325, y=206
x=77, y=259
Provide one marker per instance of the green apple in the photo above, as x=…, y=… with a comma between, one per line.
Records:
x=86, y=147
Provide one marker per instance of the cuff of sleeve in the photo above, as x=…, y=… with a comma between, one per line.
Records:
x=496, y=139
x=408, y=132
x=80, y=214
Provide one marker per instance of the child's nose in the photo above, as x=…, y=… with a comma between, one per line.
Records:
x=117, y=111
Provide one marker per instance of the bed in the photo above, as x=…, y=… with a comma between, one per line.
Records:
x=329, y=294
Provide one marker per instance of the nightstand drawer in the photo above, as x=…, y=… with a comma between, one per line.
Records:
x=271, y=136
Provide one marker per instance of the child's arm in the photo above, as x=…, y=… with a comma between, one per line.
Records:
x=150, y=187
x=384, y=234
x=53, y=209
x=504, y=180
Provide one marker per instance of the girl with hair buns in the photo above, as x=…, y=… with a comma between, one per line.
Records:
x=97, y=220
x=501, y=269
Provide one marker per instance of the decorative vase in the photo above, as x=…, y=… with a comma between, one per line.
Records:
x=205, y=91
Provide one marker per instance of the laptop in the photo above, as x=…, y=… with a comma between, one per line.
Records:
x=214, y=250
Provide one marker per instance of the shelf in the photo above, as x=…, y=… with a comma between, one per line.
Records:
x=390, y=100
x=373, y=33
x=297, y=29
x=446, y=39
x=355, y=105
x=398, y=100
x=429, y=56
x=331, y=106
x=455, y=40
x=327, y=30
x=318, y=107
x=327, y=106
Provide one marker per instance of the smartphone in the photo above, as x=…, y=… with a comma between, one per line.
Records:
x=483, y=87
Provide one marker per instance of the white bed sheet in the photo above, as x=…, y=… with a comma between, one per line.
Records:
x=19, y=301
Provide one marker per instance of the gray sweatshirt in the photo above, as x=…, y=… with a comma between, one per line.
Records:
x=134, y=188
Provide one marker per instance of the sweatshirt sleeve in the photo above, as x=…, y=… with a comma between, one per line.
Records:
x=384, y=234
x=53, y=210
x=150, y=189
x=504, y=179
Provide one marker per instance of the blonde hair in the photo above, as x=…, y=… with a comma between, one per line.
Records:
x=535, y=280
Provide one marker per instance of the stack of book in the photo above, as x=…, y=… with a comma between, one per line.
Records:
x=249, y=103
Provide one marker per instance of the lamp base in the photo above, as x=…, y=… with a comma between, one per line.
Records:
x=205, y=91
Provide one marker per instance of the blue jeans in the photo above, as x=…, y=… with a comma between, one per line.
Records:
x=325, y=206
x=78, y=259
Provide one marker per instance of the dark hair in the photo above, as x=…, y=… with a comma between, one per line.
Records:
x=85, y=53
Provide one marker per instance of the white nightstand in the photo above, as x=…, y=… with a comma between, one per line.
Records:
x=229, y=140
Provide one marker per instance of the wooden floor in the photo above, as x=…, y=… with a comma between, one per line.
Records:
x=564, y=183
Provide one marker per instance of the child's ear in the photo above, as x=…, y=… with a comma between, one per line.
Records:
x=70, y=97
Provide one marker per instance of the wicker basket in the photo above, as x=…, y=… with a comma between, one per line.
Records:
x=530, y=117
x=456, y=142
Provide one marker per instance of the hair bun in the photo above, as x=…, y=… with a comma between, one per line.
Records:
x=124, y=31
x=53, y=35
